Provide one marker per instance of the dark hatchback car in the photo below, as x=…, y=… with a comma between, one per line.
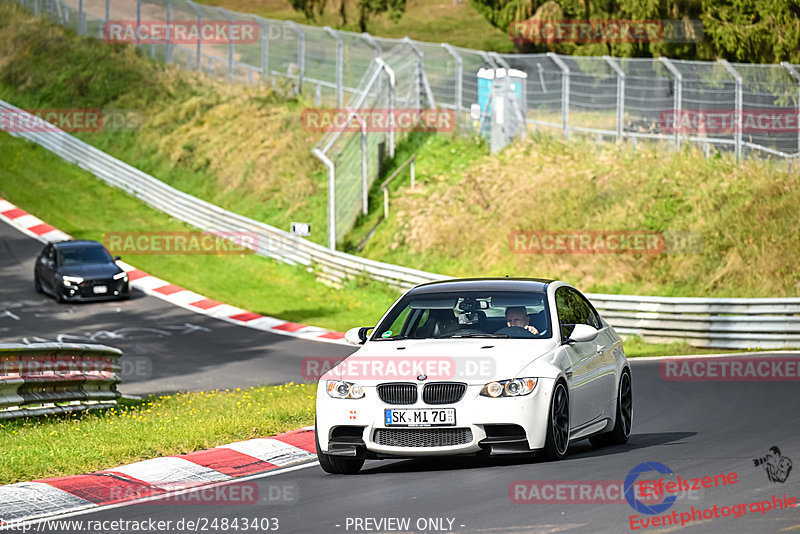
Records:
x=79, y=270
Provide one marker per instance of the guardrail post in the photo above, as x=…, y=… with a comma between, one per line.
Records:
x=677, y=96
x=738, y=106
x=108, y=13
x=459, y=85
x=138, y=19
x=197, y=52
x=620, y=96
x=564, y=92
x=331, y=196
x=301, y=54
x=339, y=66
x=228, y=16
x=796, y=76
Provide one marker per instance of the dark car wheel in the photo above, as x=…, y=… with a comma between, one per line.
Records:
x=622, y=428
x=557, y=441
x=335, y=465
x=37, y=284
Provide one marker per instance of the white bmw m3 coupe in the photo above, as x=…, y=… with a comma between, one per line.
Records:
x=489, y=366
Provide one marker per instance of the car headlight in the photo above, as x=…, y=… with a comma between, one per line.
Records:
x=343, y=390
x=69, y=280
x=515, y=387
x=122, y=275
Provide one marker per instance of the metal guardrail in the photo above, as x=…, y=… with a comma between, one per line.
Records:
x=55, y=378
x=709, y=322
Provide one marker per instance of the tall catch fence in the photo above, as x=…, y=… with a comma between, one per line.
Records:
x=743, y=109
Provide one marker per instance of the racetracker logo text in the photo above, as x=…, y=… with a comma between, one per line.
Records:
x=181, y=31
x=378, y=120
x=182, y=243
x=732, y=369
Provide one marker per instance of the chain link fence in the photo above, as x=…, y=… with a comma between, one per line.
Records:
x=743, y=109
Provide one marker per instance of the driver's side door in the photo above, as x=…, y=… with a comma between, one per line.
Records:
x=584, y=373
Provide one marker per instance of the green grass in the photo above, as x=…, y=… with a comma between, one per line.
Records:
x=41, y=183
x=33, y=448
x=439, y=21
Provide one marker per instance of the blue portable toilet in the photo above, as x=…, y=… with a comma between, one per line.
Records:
x=486, y=80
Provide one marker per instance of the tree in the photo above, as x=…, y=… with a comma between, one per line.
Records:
x=366, y=9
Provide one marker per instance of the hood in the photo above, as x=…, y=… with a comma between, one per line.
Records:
x=474, y=361
x=91, y=271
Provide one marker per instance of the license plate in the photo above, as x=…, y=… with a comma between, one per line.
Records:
x=420, y=417
x=100, y=290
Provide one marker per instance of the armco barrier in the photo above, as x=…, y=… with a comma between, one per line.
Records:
x=53, y=378
x=711, y=322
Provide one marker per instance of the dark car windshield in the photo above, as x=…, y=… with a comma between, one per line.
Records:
x=84, y=255
x=465, y=314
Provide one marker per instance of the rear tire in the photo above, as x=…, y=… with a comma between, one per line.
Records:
x=622, y=428
x=336, y=465
x=557, y=440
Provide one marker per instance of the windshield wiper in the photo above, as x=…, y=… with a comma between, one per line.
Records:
x=473, y=335
x=396, y=338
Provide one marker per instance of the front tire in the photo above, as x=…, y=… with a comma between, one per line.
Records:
x=37, y=284
x=557, y=440
x=622, y=428
x=335, y=465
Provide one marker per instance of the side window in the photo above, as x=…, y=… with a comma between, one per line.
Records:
x=574, y=309
x=567, y=314
x=397, y=325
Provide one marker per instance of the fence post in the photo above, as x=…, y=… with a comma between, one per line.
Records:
x=264, y=25
x=564, y=92
x=138, y=19
x=620, y=96
x=108, y=13
x=796, y=75
x=229, y=17
x=331, y=196
x=392, y=80
x=421, y=81
x=81, y=18
x=459, y=86
x=301, y=54
x=677, y=96
x=339, y=66
x=364, y=186
x=738, y=106
x=370, y=40
x=199, y=25
x=168, y=51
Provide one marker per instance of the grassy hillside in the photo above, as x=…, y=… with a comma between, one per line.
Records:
x=236, y=146
x=449, y=21
x=742, y=219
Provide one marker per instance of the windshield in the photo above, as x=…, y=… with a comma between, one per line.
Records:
x=467, y=314
x=83, y=255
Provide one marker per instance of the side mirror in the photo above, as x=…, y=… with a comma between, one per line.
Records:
x=582, y=333
x=117, y=258
x=357, y=335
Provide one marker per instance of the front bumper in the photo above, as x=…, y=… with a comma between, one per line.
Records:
x=356, y=427
x=115, y=289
